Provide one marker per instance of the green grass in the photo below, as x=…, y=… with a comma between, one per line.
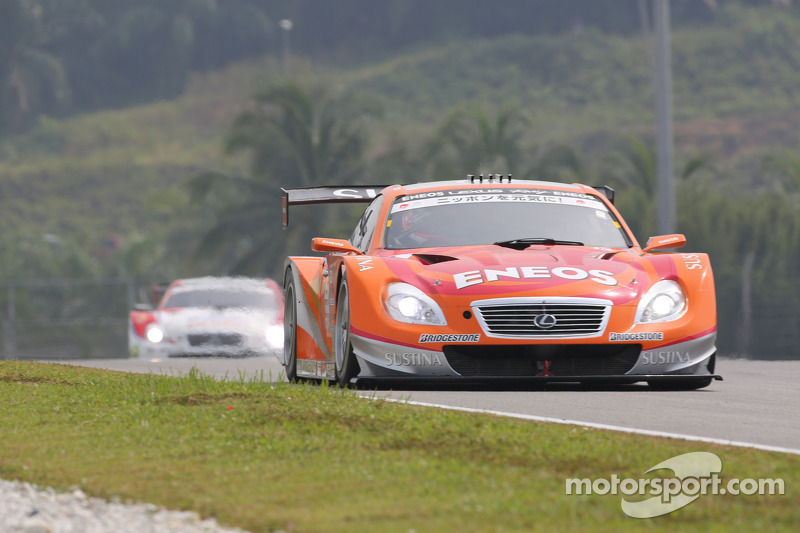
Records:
x=268, y=456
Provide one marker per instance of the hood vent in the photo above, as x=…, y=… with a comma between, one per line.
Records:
x=608, y=255
x=432, y=259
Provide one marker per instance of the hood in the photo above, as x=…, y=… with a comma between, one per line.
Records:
x=210, y=319
x=546, y=271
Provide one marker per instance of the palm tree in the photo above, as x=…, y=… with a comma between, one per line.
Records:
x=560, y=162
x=470, y=140
x=315, y=136
x=633, y=169
x=636, y=164
x=295, y=137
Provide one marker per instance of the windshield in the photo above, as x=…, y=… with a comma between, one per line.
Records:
x=470, y=216
x=223, y=298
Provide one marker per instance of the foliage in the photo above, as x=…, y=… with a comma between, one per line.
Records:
x=147, y=49
x=31, y=78
x=62, y=56
x=784, y=170
x=470, y=139
x=587, y=107
x=119, y=53
x=295, y=137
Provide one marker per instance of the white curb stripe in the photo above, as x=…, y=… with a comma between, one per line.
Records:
x=594, y=425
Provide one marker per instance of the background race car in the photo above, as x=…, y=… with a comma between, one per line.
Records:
x=210, y=316
x=493, y=279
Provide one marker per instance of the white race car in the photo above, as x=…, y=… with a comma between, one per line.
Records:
x=210, y=316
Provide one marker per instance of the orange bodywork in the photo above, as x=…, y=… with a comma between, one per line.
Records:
x=471, y=285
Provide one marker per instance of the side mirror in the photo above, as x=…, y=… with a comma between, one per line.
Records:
x=676, y=240
x=142, y=307
x=323, y=244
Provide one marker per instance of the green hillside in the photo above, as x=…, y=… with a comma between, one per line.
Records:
x=123, y=172
x=96, y=172
x=734, y=94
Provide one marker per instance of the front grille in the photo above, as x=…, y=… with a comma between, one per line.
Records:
x=542, y=319
x=215, y=339
x=529, y=360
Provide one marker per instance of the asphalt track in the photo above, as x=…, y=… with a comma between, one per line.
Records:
x=756, y=404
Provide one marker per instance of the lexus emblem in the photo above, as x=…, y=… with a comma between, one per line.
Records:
x=544, y=321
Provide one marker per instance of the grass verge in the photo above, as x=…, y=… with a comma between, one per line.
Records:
x=272, y=456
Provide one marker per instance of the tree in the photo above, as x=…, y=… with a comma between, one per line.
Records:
x=784, y=170
x=632, y=168
x=296, y=136
x=560, y=163
x=31, y=78
x=148, y=48
x=471, y=141
x=635, y=164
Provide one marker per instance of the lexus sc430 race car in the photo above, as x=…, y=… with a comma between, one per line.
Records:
x=210, y=316
x=493, y=278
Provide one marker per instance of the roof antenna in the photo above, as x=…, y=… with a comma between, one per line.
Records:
x=481, y=178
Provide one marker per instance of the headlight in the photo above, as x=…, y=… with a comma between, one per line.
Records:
x=406, y=303
x=274, y=336
x=154, y=333
x=664, y=301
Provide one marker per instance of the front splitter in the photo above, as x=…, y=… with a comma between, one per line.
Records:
x=516, y=381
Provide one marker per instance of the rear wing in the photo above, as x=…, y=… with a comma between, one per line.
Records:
x=331, y=194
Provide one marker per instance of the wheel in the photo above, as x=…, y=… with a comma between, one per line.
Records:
x=687, y=384
x=290, y=329
x=345, y=361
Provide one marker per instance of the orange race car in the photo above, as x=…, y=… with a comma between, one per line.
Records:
x=489, y=278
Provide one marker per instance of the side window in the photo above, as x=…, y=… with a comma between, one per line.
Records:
x=366, y=225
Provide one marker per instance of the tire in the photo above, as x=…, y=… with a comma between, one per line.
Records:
x=290, y=329
x=689, y=383
x=345, y=362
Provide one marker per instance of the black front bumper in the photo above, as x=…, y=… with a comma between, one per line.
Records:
x=515, y=382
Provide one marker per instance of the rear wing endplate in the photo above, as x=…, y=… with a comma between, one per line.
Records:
x=607, y=191
x=331, y=194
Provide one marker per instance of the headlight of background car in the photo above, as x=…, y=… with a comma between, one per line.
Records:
x=406, y=303
x=664, y=301
x=274, y=336
x=154, y=333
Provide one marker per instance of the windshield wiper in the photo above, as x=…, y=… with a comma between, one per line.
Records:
x=521, y=244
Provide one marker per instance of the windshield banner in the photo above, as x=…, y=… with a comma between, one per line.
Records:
x=416, y=201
